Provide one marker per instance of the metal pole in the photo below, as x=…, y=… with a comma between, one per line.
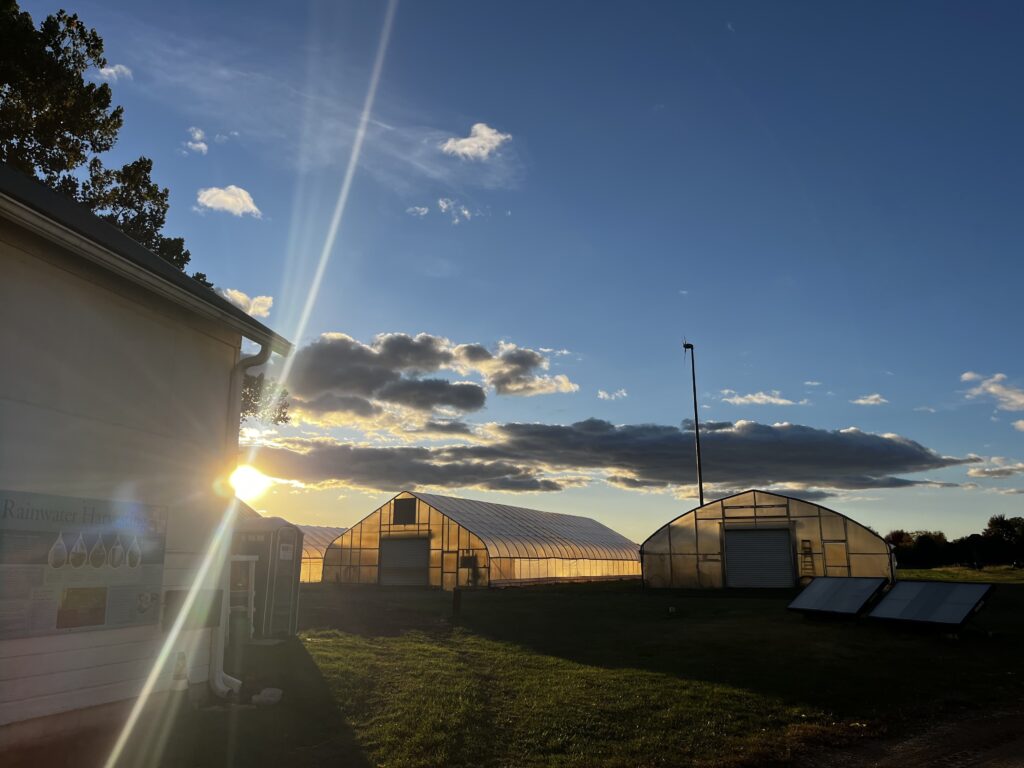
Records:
x=696, y=420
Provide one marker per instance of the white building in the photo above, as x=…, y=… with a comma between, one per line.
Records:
x=119, y=405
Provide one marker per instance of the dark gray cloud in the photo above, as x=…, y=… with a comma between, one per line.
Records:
x=427, y=394
x=534, y=457
x=744, y=453
x=454, y=427
x=331, y=403
x=320, y=461
x=357, y=377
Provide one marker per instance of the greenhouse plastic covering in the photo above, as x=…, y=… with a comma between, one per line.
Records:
x=529, y=533
x=315, y=540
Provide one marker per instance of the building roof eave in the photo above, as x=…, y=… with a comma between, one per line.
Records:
x=30, y=204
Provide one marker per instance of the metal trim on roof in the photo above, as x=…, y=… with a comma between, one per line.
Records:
x=519, y=529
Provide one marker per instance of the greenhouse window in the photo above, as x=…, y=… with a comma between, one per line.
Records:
x=404, y=512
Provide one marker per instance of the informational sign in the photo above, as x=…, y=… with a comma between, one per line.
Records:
x=70, y=564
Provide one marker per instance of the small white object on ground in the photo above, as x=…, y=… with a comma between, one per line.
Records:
x=267, y=696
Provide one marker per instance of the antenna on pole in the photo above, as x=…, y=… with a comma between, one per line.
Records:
x=696, y=421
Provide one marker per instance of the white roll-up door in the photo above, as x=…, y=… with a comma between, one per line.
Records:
x=759, y=558
x=404, y=562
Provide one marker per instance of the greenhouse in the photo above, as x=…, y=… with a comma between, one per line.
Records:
x=439, y=541
x=759, y=539
x=315, y=540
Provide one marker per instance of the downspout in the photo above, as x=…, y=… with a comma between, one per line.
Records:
x=221, y=682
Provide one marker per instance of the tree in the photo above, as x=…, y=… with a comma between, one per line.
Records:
x=54, y=125
x=259, y=402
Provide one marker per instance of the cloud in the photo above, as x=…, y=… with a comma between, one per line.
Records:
x=759, y=398
x=925, y=409
x=997, y=470
x=1019, y=425
x=428, y=394
x=114, y=73
x=197, y=141
x=456, y=210
x=1007, y=397
x=232, y=199
x=324, y=462
x=256, y=306
x=512, y=370
x=646, y=457
x=618, y=394
x=417, y=210
x=338, y=374
x=875, y=399
x=221, y=138
x=482, y=142
x=812, y=383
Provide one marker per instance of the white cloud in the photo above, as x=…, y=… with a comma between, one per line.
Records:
x=618, y=394
x=197, y=140
x=874, y=399
x=417, y=210
x=925, y=409
x=114, y=73
x=481, y=143
x=1019, y=425
x=999, y=466
x=220, y=138
x=555, y=352
x=1007, y=397
x=456, y=210
x=812, y=383
x=683, y=293
x=256, y=306
x=759, y=398
x=232, y=199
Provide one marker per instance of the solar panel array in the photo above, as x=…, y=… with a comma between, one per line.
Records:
x=846, y=595
x=931, y=602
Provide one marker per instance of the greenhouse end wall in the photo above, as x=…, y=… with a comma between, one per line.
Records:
x=460, y=558
x=457, y=557
x=688, y=552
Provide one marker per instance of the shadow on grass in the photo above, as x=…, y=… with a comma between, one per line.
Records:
x=742, y=639
x=305, y=729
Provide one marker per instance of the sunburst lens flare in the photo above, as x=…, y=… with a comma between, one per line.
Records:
x=249, y=483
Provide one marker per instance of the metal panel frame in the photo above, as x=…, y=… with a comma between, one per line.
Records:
x=921, y=622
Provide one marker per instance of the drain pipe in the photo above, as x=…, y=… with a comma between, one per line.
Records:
x=221, y=682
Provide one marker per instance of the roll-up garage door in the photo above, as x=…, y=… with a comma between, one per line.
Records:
x=758, y=558
x=404, y=562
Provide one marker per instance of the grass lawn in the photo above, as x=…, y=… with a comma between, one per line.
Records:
x=996, y=574
x=609, y=675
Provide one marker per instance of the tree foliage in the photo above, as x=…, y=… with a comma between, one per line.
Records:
x=260, y=402
x=1001, y=543
x=54, y=124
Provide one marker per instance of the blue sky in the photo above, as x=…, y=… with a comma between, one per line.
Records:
x=809, y=192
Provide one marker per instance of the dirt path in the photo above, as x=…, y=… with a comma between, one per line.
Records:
x=995, y=740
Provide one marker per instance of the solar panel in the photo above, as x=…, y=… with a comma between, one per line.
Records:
x=931, y=602
x=846, y=595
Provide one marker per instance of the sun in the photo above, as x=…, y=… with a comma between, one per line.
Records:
x=249, y=483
